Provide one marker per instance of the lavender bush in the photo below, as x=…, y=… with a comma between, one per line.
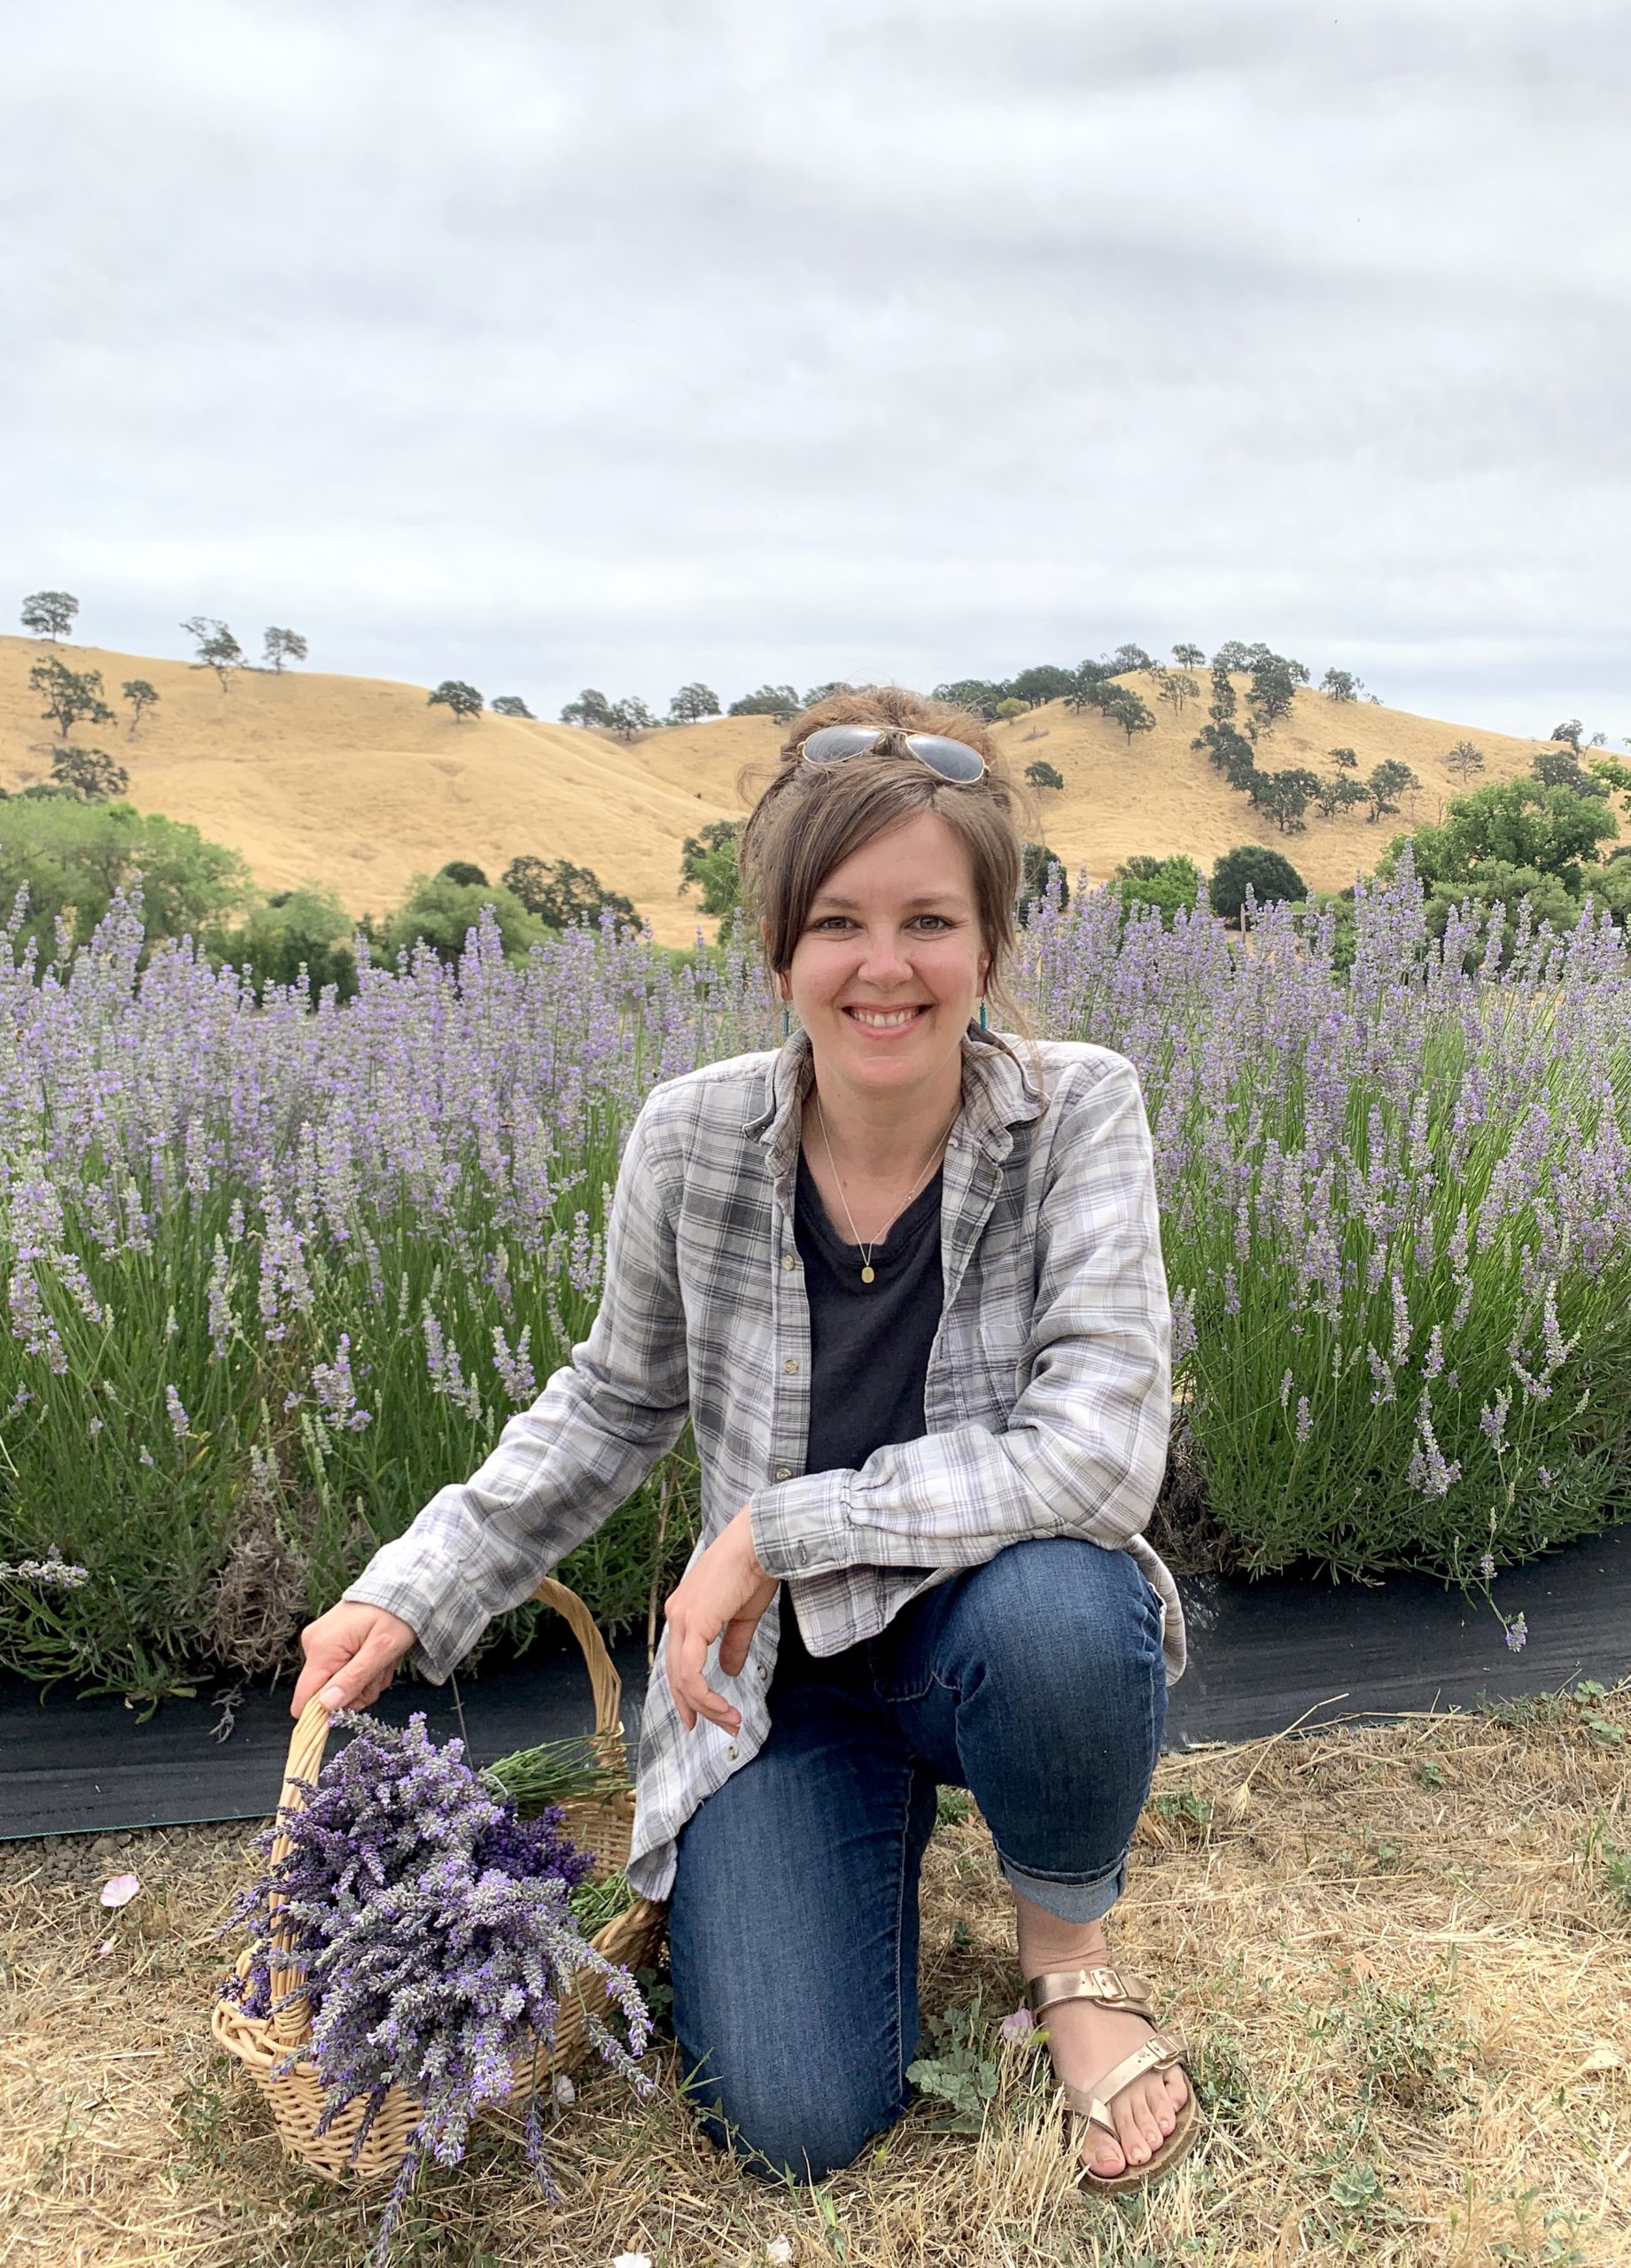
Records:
x=1397, y=1215
x=276, y=1274
x=432, y=1933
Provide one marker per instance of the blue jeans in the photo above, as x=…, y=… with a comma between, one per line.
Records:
x=1036, y=1681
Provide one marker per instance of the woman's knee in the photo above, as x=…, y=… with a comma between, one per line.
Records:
x=1066, y=1609
x=777, y=2127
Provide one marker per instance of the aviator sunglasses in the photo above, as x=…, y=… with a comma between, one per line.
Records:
x=951, y=759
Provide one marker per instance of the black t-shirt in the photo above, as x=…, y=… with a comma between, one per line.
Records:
x=868, y=1343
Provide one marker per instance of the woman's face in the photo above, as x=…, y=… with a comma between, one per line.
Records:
x=890, y=963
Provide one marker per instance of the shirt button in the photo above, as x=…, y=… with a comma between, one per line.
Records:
x=784, y=1472
x=803, y=1555
x=788, y=1260
x=764, y=1673
x=730, y=1754
x=791, y=1363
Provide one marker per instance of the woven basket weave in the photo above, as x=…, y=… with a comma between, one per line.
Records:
x=601, y=1825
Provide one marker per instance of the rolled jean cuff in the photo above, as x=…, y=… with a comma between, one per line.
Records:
x=1069, y=1901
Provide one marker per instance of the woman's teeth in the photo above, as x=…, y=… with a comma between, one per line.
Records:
x=894, y=1016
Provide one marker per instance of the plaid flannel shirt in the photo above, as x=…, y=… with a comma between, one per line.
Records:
x=1047, y=1399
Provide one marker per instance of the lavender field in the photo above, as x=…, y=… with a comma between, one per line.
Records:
x=276, y=1272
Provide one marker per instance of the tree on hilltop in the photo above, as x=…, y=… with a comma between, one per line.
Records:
x=1046, y=681
x=282, y=645
x=1130, y=657
x=1570, y=732
x=218, y=648
x=1342, y=684
x=1339, y=794
x=454, y=694
x=561, y=894
x=692, y=704
x=1123, y=707
x=90, y=774
x=49, y=614
x=71, y=697
x=1176, y=689
x=778, y=701
x=981, y=696
x=1190, y=656
x=834, y=684
x=510, y=704
x=1232, y=657
x=707, y=865
x=1386, y=785
x=1466, y=758
x=1270, y=876
x=141, y=695
x=1273, y=693
x=630, y=716
x=1559, y=767
x=590, y=711
x=1044, y=775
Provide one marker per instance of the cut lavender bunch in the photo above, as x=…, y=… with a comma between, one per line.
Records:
x=432, y=1933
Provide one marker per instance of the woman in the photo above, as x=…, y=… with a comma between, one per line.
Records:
x=906, y=1282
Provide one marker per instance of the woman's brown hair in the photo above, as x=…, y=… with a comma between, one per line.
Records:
x=808, y=819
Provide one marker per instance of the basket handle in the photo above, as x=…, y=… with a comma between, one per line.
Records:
x=310, y=1739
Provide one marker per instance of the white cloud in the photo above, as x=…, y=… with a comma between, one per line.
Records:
x=621, y=346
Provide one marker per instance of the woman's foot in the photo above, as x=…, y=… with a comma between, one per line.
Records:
x=1087, y=2039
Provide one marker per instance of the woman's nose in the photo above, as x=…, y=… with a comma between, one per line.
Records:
x=884, y=957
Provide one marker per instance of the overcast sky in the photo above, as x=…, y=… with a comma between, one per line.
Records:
x=554, y=345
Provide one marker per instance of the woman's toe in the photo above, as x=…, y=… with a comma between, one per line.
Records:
x=1129, y=2129
x=1106, y=2159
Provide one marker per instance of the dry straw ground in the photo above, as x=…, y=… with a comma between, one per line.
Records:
x=1405, y=1952
x=355, y=783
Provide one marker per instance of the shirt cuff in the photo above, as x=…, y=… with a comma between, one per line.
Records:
x=803, y=1526
x=444, y=1619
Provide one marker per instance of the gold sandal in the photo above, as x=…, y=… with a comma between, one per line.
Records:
x=1163, y=2051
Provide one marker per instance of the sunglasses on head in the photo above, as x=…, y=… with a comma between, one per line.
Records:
x=951, y=759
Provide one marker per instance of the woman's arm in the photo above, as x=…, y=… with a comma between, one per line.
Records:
x=561, y=1467
x=1085, y=1445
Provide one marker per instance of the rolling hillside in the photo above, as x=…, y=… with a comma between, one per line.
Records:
x=355, y=783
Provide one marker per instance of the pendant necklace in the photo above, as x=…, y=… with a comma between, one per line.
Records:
x=866, y=1251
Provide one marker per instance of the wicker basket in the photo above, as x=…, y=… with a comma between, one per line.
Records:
x=601, y=1826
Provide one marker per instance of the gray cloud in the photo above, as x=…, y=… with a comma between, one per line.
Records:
x=555, y=346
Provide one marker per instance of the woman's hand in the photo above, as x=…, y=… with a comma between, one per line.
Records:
x=351, y=1655
x=726, y=1591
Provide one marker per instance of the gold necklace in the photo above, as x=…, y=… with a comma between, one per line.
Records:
x=866, y=1251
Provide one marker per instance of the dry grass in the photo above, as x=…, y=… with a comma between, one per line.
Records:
x=355, y=783
x=1404, y=1953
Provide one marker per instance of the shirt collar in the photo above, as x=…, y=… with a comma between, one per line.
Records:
x=1000, y=1093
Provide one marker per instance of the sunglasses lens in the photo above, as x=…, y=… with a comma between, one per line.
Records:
x=951, y=759
x=833, y=743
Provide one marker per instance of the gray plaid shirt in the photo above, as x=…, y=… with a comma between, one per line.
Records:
x=1047, y=1394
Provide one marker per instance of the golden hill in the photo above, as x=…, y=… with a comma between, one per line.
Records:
x=356, y=784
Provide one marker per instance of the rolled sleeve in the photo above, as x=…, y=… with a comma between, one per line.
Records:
x=1084, y=1448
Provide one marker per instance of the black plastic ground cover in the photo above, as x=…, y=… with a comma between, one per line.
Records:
x=1261, y=1657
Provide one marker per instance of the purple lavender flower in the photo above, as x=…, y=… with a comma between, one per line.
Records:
x=1518, y=1634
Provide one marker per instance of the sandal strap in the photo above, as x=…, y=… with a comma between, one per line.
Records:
x=1160, y=2052
x=1116, y=1988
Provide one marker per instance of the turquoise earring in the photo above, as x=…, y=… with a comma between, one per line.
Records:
x=982, y=1012
x=787, y=1021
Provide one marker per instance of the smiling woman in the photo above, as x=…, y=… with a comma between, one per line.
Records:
x=905, y=1279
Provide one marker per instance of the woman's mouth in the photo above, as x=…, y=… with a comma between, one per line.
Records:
x=884, y=1020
